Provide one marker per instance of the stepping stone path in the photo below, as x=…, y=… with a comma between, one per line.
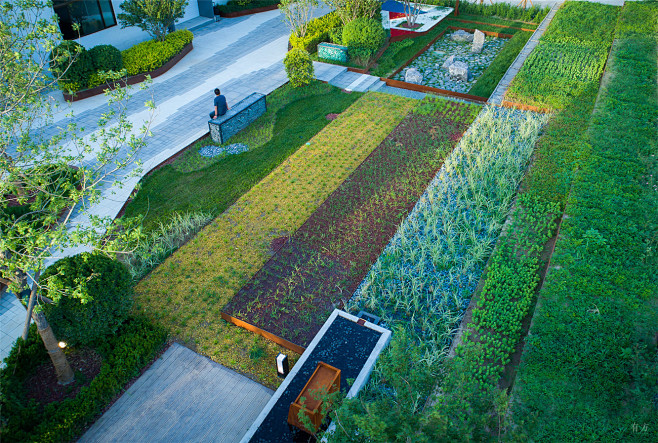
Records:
x=433, y=64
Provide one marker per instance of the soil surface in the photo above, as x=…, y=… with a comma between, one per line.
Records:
x=43, y=386
x=321, y=265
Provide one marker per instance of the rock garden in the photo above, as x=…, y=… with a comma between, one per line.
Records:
x=454, y=62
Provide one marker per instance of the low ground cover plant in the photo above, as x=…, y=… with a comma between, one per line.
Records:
x=425, y=277
x=122, y=356
x=569, y=58
x=187, y=292
x=322, y=264
x=195, y=183
x=490, y=78
x=592, y=342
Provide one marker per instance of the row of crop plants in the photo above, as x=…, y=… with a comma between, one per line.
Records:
x=186, y=293
x=470, y=393
x=422, y=283
x=325, y=260
x=570, y=56
x=589, y=370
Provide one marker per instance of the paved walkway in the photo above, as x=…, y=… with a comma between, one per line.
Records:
x=496, y=97
x=240, y=56
x=183, y=397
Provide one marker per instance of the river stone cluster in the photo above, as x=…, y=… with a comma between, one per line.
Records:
x=214, y=151
x=434, y=63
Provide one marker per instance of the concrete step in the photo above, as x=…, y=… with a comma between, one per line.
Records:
x=362, y=83
x=377, y=85
x=402, y=92
x=327, y=72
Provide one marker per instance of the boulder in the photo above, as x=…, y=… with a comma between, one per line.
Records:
x=459, y=71
x=449, y=61
x=461, y=36
x=413, y=76
x=478, y=42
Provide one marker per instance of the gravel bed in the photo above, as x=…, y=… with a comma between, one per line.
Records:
x=213, y=151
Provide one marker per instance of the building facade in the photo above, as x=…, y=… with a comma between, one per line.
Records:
x=99, y=23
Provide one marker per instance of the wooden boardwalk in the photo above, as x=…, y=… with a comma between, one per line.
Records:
x=183, y=397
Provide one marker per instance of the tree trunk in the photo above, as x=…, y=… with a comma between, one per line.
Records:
x=30, y=304
x=62, y=367
x=457, y=8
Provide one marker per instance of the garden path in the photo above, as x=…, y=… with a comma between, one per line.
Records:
x=182, y=397
x=240, y=56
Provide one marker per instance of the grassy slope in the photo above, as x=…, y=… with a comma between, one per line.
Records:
x=294, y=115
x=589, y=369
x=187, y=292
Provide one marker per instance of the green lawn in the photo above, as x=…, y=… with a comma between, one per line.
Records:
x=194, y=183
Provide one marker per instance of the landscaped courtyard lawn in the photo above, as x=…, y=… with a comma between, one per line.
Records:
x=196, y=183
x=188, y=291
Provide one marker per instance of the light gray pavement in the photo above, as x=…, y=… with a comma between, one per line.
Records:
x=183, y=397
x=240, y=56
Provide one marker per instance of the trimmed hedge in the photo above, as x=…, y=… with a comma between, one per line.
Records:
x=124, y=355
x=150, y=55
x=102, y=303
x=318, y=31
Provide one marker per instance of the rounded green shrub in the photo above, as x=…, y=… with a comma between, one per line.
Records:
x=364, y=33
x=106, y=58
x=72, y=63
x=92, y=297
x=299, y=67
x=336, y=35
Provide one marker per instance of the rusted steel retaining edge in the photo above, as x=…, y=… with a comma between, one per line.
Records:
x=268, y=335
x=80, y=95
x=428, y=89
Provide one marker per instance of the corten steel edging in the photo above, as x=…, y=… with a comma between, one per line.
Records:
x=490, y=24
x=248, y=11
x=268, y=335
x=422, y=88
x=427, y=46
x=130, y=80
x=522, y=107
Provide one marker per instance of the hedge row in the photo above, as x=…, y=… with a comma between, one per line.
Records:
x=81, y=69
x=590, y=366
x=136, y=343
x=317, y=31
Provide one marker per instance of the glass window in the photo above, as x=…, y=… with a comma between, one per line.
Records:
x=91, y=16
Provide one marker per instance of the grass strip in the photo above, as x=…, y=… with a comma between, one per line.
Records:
x=326, y=259
x=569, y=59
x=421, y=284
x=494, y=21
x=194, y=183
x=490, y=78
x=187, y=292
x=589, y=369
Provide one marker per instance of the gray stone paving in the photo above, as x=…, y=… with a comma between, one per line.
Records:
x=182, y=397
x=499, y=93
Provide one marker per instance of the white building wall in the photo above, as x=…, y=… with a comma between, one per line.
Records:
x=125, y=38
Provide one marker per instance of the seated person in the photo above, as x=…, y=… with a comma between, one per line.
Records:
x=220, y=105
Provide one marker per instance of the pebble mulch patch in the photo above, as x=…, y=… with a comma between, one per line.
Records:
x=345, y=346
x=325, y=260
x=430, y=62
x=214, y=151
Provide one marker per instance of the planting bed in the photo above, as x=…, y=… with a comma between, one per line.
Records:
x=569, y=58
x=187, y=292
x=431, y=61
x=323, y=263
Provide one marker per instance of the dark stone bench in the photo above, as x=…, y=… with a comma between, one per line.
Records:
x=237, y=118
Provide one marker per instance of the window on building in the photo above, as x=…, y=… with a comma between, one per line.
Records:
x=91, y=16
